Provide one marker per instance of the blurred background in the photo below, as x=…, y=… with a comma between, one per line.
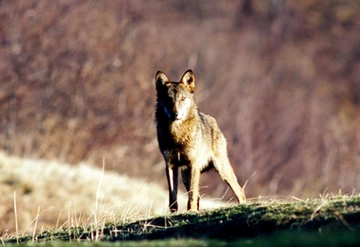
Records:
x=280, y=76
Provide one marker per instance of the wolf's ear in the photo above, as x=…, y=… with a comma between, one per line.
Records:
x=188, y=79
x=160, y=79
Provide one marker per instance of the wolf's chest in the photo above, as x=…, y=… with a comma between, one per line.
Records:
x=178, y=158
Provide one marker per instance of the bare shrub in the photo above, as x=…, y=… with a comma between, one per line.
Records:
x=281, y=77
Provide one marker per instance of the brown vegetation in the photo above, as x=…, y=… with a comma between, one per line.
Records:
x=281, y=78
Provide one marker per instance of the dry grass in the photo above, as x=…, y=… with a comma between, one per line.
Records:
x=329, y=216
x=41, y=194
x=70, y=196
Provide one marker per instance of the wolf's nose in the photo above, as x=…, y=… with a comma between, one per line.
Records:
x=176, y=114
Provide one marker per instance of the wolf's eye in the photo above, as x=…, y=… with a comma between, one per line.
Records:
x=183, y=98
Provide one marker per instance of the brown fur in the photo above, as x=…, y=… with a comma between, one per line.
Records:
x=189, y=140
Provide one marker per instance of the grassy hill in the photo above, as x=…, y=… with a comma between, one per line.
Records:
x=330, y=221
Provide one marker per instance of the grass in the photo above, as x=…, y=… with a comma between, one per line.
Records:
x=62, y=195
x=334, y=221
x=38, y=195
x=329, y=220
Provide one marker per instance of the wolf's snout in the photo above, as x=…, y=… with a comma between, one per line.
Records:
x=175, y=111
x=175, y=116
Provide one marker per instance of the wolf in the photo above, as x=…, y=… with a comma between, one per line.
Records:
x=189, y=140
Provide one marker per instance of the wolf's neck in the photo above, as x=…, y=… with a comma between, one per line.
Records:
x=184, y=129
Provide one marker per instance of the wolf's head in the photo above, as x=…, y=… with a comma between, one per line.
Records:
x=175, y=99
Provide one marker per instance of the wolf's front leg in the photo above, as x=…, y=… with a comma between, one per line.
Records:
x=191, y=181
x=186, y=177
x=172, y=177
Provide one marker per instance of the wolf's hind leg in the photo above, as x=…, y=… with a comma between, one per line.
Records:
x=227, y=174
